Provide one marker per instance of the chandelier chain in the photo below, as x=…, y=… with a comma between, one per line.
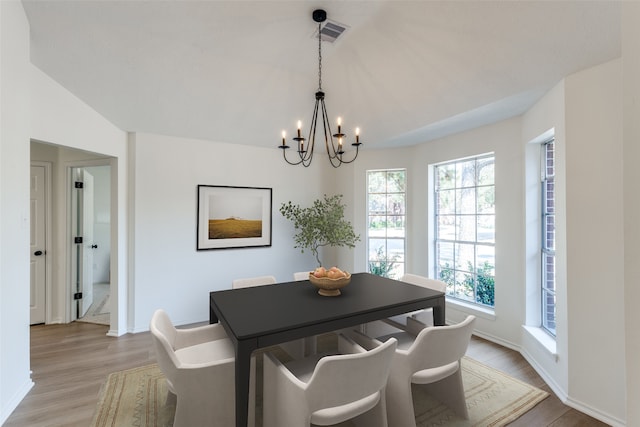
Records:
x=319, y=59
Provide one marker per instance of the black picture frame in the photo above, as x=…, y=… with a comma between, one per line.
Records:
x=233, y=217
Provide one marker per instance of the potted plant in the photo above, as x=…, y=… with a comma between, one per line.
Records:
x=321, y=224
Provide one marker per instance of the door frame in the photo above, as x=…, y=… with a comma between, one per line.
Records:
x=81, y=269
x=48, y=238
x=70, y=245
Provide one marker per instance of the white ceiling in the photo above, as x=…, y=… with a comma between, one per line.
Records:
x=405, y=72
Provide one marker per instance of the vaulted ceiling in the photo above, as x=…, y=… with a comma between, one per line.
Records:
x=405, y=72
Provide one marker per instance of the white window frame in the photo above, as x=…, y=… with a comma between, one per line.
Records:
x=548, y=260
x=399, y=263
x=476, y=243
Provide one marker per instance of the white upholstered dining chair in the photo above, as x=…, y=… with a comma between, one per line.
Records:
x=427, y=356
x=425, y=316
x=301, y=275
x=253, y=281
x=199, y=364
x=326, y=390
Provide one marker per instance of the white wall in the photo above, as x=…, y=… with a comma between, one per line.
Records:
x=169, y=273
x=60, y=118
x=595, y=240
x=631, y=154
x=15, y=381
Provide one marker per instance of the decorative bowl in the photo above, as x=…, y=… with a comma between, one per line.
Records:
x=330, y=287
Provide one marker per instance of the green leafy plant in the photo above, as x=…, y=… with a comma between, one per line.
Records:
x=382, y=266
x=321, y=224
x=482, y=281
x=485, y=286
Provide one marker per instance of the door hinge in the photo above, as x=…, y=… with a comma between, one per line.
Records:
x=77, y=240
x=79, y=184
x=77, y=295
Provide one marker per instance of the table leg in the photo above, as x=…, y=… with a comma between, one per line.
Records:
x=438, y=312
x=243, y=373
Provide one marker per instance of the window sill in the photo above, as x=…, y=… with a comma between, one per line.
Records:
x=485, y=313
x=543, y=338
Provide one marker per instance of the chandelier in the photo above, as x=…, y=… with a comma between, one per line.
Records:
x=334, y=148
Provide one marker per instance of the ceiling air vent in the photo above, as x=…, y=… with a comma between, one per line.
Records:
x=331, y=30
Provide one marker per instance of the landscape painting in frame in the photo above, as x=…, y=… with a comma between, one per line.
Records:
x=233, y=217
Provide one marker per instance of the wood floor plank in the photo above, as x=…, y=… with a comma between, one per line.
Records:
x=70, y=364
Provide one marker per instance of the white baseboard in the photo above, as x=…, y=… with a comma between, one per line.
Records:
x=55, y=321
x=497, y=340
x=605, y=418
x=553, y=385
x=566, y=399
x=15, y=400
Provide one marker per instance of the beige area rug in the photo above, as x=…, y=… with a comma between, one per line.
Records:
x=135, y=397
x=139, y=397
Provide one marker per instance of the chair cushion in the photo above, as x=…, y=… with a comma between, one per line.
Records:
x=206, y=352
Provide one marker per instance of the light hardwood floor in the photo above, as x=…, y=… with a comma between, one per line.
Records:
x=70, y=363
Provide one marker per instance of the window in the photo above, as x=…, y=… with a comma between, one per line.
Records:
x=465, y=228
x=386, y=211
x=548, y=255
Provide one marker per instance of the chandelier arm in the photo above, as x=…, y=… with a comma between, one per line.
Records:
x=354, y=157
x=308, y=157
x=284, y=155
x=335, y=158
x=328, y=136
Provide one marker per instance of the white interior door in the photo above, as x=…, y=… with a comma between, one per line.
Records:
x=88, y=242
x=84, y=248
x=37, y=247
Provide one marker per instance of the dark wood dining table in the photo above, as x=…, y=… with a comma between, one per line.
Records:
x=263, y=316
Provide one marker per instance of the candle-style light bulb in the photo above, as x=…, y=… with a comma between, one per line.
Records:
x=340, y=144
x=299, y=127
x=284, y=134
x=357, y=135
x=339, y=123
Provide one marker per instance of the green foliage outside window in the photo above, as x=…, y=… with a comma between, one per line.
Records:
x=485, y=284
x=382, y=266
x=481, y=280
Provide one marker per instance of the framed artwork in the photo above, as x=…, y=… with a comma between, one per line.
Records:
x=233, y=217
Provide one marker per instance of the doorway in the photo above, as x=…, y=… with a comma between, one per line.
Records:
x=60, y=276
